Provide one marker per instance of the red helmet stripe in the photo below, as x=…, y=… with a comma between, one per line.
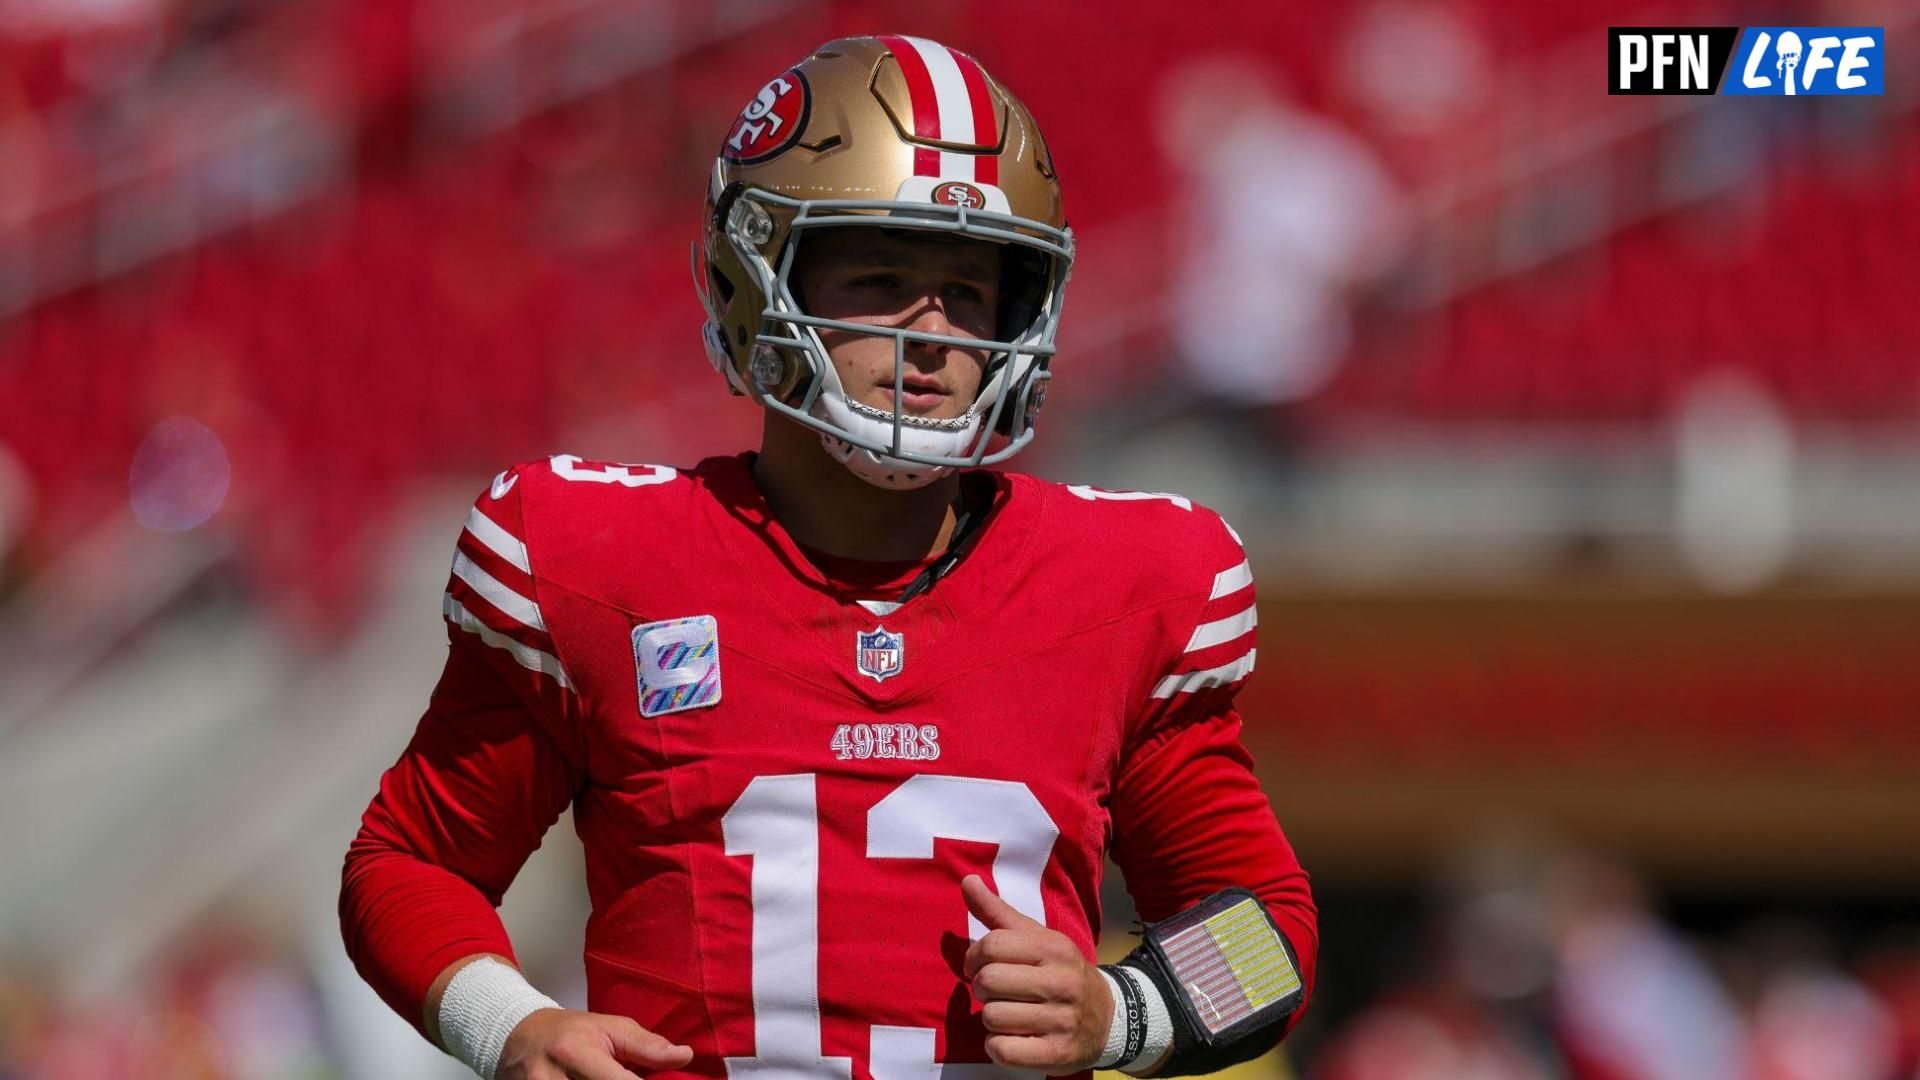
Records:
x=986, y=166
x=926, y=108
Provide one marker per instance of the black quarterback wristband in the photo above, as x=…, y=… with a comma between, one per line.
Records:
x=1135, y=1006
x=1229, y=977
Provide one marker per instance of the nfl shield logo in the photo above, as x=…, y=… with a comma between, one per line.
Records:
x=880, y=655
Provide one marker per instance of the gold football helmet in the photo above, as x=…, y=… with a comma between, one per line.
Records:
x=897, y=133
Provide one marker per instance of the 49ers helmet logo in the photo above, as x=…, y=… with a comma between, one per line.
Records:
x=772, y=121
x=956, y=193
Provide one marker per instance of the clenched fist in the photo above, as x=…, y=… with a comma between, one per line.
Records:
x=561, y=1044
x=1045, y=1006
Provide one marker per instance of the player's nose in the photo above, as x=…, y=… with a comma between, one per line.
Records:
x=929, y=316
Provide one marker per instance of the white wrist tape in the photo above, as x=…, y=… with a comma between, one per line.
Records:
x=483, y=1004
x=1159, y=1023
x=1116, y=1027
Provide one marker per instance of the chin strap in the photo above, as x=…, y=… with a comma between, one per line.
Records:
x=875, y=470
x=966, y=529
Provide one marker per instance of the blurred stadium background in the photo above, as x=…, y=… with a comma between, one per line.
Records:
x=1576, y=440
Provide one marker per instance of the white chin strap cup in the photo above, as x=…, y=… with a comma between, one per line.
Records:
x=918, y=435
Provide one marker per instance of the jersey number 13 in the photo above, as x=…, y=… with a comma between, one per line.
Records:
x=777, y=821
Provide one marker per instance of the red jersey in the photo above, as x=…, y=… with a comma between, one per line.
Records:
x=779, y=786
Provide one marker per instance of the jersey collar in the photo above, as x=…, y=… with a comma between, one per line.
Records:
x=998, y=545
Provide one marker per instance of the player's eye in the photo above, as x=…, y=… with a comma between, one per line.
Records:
x=968, y=292
x=877, y=281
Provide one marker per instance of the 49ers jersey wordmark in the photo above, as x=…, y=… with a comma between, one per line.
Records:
x=779, y=786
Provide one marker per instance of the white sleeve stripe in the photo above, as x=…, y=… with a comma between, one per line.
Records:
x=1201, y=680
x=512, y=604
x=498, y=540
x=536, y=660
x=1231, y=581
x=1221, y=631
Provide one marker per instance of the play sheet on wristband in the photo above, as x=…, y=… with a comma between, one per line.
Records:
x=1231, y=964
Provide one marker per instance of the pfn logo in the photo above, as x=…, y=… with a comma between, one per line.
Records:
x=1791, y=60
x=1795, y=60
x=1667, y=59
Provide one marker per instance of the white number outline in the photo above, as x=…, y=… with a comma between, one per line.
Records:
x=1091, y=494
x=567, y=467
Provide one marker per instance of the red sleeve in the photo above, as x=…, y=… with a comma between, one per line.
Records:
x=488, y=771
x=1189, y=817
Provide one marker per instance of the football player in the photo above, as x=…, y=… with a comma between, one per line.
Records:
x=849, y=724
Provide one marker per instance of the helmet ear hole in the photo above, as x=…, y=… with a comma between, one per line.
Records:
x=722, y=205
x=1023, y=404
x=1024, y=281
x=799, y=256
x=717, y=283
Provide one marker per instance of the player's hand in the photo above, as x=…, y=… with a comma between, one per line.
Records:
x=1045, y=1006
x=561, y=1044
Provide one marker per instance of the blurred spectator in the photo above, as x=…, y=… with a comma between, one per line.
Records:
x=1733, y=477
x=1285, y=215
x=1635, y=1000
x=1822, y=1025
x=1429, y=98
x=1892, y=970
x=225, y=1006
x=1475, y=1006
x=22, y=1017
x=1415, y=1038
x=1811, y=1019
x=16, y=503
x=259, y=1013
